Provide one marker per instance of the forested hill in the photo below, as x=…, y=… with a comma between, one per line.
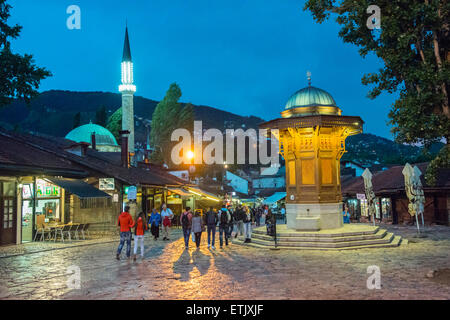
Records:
x=52, y=112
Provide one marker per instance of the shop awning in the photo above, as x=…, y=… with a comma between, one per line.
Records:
x=79, y=188
x=180, y=191
x=277, y=196
x=202, y=193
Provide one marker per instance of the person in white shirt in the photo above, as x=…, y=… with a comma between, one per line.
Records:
x=166, y=217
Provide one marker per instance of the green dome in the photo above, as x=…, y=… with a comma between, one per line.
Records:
x=83, y=134
x=310, y=97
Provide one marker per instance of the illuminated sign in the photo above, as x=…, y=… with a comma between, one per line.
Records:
x=360, y=196
x=44, y=190
x=132, y=193
x=106, y=184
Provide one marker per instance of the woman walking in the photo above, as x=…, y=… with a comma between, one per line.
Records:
x=197, y=228
x=166, y=216
x=155, y=220
x=140, y=227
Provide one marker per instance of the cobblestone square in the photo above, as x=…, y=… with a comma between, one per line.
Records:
x=419, y=270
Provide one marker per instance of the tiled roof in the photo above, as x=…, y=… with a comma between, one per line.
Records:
x=49, y=147
x=14, y=154
x=392, y=180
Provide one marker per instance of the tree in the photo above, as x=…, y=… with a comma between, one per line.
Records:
x=76, y=120
x=101, y=116
x=19, y=76
x=413, y=43
x=114, y=123
x=169, y=115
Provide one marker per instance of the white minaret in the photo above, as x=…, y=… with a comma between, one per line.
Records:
x=127, y=88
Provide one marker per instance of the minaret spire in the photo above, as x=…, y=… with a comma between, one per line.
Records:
x=127, y=88
x=126, y=48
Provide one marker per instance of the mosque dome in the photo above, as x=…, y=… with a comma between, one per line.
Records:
x=310, y=97
x=310, y=101
x=104, y=139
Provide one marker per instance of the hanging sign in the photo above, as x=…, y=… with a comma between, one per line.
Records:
x=106, y=184
x=132, y=193
x=360, y=196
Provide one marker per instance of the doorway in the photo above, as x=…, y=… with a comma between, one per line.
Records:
x=8, y=213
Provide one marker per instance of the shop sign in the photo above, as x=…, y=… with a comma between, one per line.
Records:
x=132, y=193
x=44, y=190
x=115, y=197
x=360, y=196
x=106, y=184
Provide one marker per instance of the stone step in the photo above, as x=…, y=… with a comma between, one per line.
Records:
x=387, y=239
x=353, y=237
x=321, y=234
x=395, y=241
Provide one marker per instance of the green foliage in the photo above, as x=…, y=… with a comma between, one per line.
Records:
x=101, y=116
x=442, y=160
x=19, y=76
x=76, y=120
x=168, y=116
x=114, y=124
x=413, y=43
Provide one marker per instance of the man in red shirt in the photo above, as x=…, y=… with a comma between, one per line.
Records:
x=125, y=222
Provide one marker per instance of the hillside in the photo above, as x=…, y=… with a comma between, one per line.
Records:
x=52, y=112
x=368, y=149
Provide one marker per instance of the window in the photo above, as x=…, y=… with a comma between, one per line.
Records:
x=364, y=208
x=386, y=208
x=8, y=213
x=91, y=203
x=9, y=189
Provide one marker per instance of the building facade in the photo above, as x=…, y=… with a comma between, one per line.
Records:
x=391, y=200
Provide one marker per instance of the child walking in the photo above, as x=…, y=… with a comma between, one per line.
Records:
x=140, y=227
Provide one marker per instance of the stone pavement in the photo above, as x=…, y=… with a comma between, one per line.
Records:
x=39, y=246
x=237, y=272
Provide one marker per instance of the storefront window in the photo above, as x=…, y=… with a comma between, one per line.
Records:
x=386, y=208
x=353, y=208
x=364, y=208
x=47, y=206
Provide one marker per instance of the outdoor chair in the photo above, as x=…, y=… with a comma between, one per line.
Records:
x=58, y=231
x=86, y=229
x=40, y=229
x=74, y=230
x=66, y=231
x=47, y=231
x=80, y=230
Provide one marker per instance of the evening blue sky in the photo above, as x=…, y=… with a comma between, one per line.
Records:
x=243, y=56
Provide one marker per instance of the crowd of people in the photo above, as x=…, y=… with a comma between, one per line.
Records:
x=227, y=221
